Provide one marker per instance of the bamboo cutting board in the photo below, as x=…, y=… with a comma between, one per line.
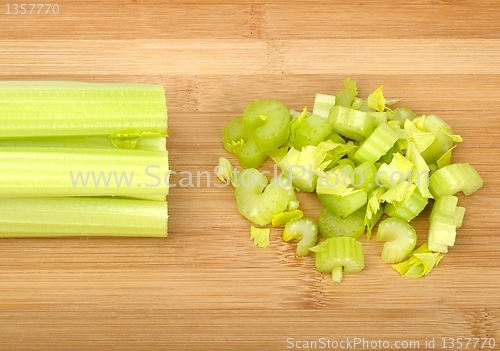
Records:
x=207, y=286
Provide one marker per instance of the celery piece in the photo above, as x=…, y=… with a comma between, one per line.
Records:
x=270, y=121
x=313, y=130
x=304, y=166
x=240, y=142
x=322, y=105
x=442, y=231
x=337, y=252
x=259, y=201
x=459, y=216
x=350, y=123
x=451, y=179
x=357, y=103
x=303, y=229
x=82, y=216
x=379, y=118
x=335, y=181
x=52, y=108
x=402, y=114
x=335, y=137
x=343, y=206
x=420, y=174
x=443, y=133
x=408, y=209
x=347, y=95
x=82, y=172
x=400, y=239
x=376, y=145
x=420, y=263
x=376, y=100
x=331, y=225
x=445, y=160
x=421, y=139
x=260, y=236
x=285, y=217
x=225, y=171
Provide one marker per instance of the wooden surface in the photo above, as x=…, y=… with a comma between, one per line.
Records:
x=206, y=286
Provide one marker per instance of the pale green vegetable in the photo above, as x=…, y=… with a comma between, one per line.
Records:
x=257, y=199
x=322, y=105
x=285, y=217
x=260, y=236
x=400, y=239
x=331, y=225
x=339, y=252
x=82, y=216
x=420, y=263
x=303, y=229
x=451, y=179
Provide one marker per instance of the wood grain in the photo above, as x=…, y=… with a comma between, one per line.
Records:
x=206, y=286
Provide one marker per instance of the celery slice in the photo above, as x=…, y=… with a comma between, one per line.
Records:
x=47, y=109
x=322, y=105
x=337, y=252
x=400, y=238
x=82, y=172
x=313, y=130
x=285, y=217
x=225, y=171
x=402, y=114
x=303, y=229
x=443, y=133
x=408, y=209
x=445, y=160
x=459, y=216
x=347, y=95
x=270, y=120
x=363, y=176
x=353, y=124
x=82, y=216
x=331, y=225
x=451, y=179
x=343, y=206
x=420, y=175
x=256, y=200
x=376, y=145
x=260, y=236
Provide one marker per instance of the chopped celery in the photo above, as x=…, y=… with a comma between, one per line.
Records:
x=376, y=145
x=82, y=216
x=259, y=201
x=51, y=109
x=242, y=143
x=351, y=123
x=269, y=121
x=313, y=130
x=365, y=161
x=420, y=263
x=82, y=172
x=303, y=229
x=376, y=100
x=285, y=217
x=402, y=114
x=408, y=209
x=260, y=236
x=225, y=171
x=322, y=105
x=451, y=179
x=304, y=166
x=337, y=252
x=400, y=238
x=343, y=206
x=331, y=225
x=347, y=95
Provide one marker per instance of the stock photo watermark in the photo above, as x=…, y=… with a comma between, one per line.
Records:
x=152, y=178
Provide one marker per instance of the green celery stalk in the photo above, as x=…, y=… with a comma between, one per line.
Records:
x=303, y=229
x=47, y=109
x=322, y=105
x=331, y=225
x=343, y=206
x=351, y=123
x=82, y=216
x=400, y=239
x=50, y=172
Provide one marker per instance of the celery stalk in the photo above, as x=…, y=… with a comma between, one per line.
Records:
x=376, y=145
x=322, y=105
x=331, y=225
x=49, y=172
x=45, y=109
x=82, y=216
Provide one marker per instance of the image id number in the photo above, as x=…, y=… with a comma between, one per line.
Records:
x=32, y=9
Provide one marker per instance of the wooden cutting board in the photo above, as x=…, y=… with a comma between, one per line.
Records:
x=207, y=286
